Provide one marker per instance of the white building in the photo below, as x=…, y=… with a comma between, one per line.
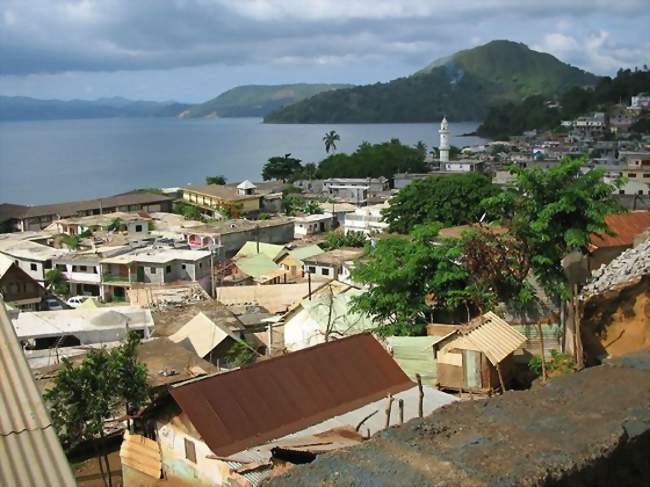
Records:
x=463, y=166
x=304, y=226
x=367, y=220
x=33, y=258
x=444, y=141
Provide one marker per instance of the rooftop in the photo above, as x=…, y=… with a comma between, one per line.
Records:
x=157, y=255
x=103, y=220
x=336, y=256
x=625, y=226
x=236, y=225
x=26, y=249
x=270, y=399
x=221, y=191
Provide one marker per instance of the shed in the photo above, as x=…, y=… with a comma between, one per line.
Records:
x=478, y=356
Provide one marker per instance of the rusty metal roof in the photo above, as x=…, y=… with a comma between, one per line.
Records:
x=30, y=453
x=270, y=399
x=490, y=335
x=625, y=226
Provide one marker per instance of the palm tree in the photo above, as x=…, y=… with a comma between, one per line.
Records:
x=330, y=139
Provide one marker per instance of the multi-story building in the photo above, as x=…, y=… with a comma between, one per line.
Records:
x=367, y=220
x=637, y=166
x=217, y=199
x=153, y=266
x=32, y=257
x=135, y=225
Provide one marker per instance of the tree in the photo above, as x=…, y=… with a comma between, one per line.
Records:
x=54, y=280
x=408, y=277
x=292, y=204
x=281, y=168
x=330, y=138
x=71, y=241
x=335, y=239
x=421, y=147
x=115, y=225
x=83, y=397
x=450, y=200
x=215, y=180
x=190, y=212
x=312, y=208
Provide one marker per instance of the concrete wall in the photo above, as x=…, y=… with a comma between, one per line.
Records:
x=277, y=234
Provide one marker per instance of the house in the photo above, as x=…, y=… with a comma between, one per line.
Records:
x=256, y=268
x=153, y=266
x=24, y=218
x=33, y=258
x=640, y=101
x=477, y=357
x=217, y=199
x=325, y=315
x=305, y=226
x=626, y=227
x=614, y=306
x=464, y=165
x=368, y=220
x=354, y=190
x=293, y=260
x=18, y=289
x=82, y=269
x=338, y=210
x=228, y=236
x=81, y=326
x=232, y=428
x=333, y=264
x=135, y=225
x=637, y=166
x=30, y=452
x=209, y=339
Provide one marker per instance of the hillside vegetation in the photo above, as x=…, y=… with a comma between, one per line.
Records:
x=462, y=87
x=256, y=100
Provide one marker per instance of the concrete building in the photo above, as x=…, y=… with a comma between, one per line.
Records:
x=23, y=218
x=334, y=264
x=17, y=288
x=155, y=266
x=133, y=224
x=637, y=166
x=463, y=165
x=33, y=258
x=217, y=199
x=367, y=220
x=356, y=191
x=305, y=226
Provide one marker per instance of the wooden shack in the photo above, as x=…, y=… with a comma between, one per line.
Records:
x=478, y=356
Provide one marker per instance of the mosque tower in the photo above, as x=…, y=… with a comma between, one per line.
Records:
x=444, y=140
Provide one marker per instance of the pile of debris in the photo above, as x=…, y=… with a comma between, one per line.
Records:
x=627, y=268
x=168, y=296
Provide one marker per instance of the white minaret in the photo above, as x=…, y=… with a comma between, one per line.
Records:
x=444, y=140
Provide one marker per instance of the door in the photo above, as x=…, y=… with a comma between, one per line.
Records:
x=472, y=369
x=140, y=274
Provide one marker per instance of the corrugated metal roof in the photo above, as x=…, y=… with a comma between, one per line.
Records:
x=625, y=226
x=30, y=453
x=141, y=454
x=270, y=399
x=490, y=335
x=415, y=355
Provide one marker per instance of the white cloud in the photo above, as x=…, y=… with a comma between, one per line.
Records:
x=9, y=18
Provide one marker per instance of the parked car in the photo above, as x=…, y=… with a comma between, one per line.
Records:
x=54, y=304
x=76, y=301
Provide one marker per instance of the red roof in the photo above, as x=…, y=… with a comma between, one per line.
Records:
x=625, y=226
x=270, y=399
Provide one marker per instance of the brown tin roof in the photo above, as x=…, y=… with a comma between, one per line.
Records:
x=270, y=399
x=625, y=226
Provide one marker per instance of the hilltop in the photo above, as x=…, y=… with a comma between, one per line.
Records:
x=256, y=100
x=462, y=87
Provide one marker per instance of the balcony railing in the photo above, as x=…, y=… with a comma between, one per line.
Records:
x=115, y=278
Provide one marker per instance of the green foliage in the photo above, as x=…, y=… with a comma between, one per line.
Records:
x=281, y=168
x=54, y=280
x=336, y=239
x=450, y=200
x=189, y=211
x=461, y=87
x=256, y=100
x=239, y=355
x=312, y=208
x=642, y=125
x=115, y=225
x=552, y=212
x=514, y=117
x=404, y=274
x=293, y=204
x=215, y=180
x=559, y=364
x=71, y=241
x=83, y=397
x=330, y=139
x=373, y=160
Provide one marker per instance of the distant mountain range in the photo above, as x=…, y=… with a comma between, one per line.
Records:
x=256, y=100
x=19, y=108
x=462, y=87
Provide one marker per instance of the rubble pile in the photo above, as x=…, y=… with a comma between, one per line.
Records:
x=631, y=264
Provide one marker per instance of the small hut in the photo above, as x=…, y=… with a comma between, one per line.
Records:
x=478, y=356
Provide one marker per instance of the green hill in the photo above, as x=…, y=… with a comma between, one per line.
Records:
x=462, y=87
x=256, y=100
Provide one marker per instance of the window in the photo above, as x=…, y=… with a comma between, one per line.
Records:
x=138, y=228
x=646, y=175
x=153, y=270
x=312, y=269
x=200, y=265
x=631, y=175
x=621, y=191
x=183, y=266
x=33, y=267
x=168, y=269
x=61, y=267
x=325, y=272
x=190, y=450
x=83, y=268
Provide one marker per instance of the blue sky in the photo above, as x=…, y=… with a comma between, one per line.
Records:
x=192, y=50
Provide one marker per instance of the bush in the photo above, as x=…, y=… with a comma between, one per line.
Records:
x=559, y=364
x=334, y=240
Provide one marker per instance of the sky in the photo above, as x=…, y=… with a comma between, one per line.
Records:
x=192, y=50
